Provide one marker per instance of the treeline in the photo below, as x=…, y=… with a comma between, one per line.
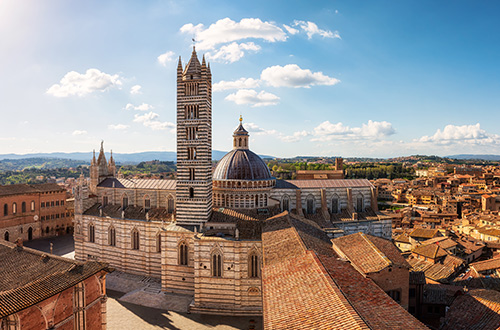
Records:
x=376, y=171
x=164, y=169
x=39, y=163
x=38, y=175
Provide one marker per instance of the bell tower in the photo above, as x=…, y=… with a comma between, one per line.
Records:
x=194, y=142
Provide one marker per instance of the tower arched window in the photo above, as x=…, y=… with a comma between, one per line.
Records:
x=359, y=204
x=217, y=264
x=183, y=254
x=23, y=207
x=310, y=204
x=112, y=236
x=135, y=239
x=285, y=205
x=191, y=192
x=124, y=201
x=253, y=265
x=14, y=208
x=91, y=233
x=170, y=204
x=32, y=206
x=5, y=209
x=158, y=242
x=335, y=204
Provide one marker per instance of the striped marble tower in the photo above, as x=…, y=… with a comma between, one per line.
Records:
x=194, y=142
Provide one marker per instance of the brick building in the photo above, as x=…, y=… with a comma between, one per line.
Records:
x=44, y=291
x=31, y=211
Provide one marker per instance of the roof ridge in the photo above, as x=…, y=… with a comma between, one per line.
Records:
x=382, y=255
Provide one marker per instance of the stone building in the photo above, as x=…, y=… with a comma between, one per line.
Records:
x=202, y=233
x=44, y=291
x=30, y=211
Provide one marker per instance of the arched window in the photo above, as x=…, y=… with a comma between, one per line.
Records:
x=191, y=192
x=285, y=205
x=135, y=239
x=14, y=208
x=310, y=204
x=253, y=265
x=359, y=204
x=6, y=236
x=32, y=206
x=47, y=230
x=158, y=242
x=91, y=233
x=147, y=202
x=183, y=254
x=335, y=204
x=170, y=204
x=217, y=264
x=30, y=234
x=5, y=209
x=112, y=236
x=124, y=201
x=23, y=207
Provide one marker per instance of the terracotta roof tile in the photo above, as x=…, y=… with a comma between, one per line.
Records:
x=30, y=276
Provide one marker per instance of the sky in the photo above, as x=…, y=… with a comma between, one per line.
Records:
x=310, y=78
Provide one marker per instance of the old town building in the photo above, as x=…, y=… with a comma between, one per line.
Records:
x=41, y=291
x=30, y=211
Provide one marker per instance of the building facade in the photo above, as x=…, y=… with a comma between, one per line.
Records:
x=30, y=211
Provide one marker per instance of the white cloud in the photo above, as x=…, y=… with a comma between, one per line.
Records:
x=236, y=84
x=250, y=96
x=297, y=136
x=291, y=75
x=118, y=127
x=311, y=29
x=254, y=128
x=327, y=131
x=232, y=52
x=142, y=107
x=150, y=120
x=93, y=80
x=290, y=29
x=466, y=134
x=226, y=30
x=166, y=57
x=79, y=132
x=136, y=89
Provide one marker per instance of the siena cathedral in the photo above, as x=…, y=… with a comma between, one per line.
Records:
x=201, y=234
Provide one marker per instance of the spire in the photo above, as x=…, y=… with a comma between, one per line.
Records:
x=111, y=160
x=93, y=158
x=102, y=158
x=203, y=63
x=193, y=68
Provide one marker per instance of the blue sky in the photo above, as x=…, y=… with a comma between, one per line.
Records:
x=326, y=78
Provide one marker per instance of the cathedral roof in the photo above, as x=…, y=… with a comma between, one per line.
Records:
x=241, y=164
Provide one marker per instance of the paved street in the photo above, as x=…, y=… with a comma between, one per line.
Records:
x=62, y=245
x=123, y=314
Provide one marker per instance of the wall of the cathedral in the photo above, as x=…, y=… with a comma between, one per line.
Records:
x=380, y=227
x=146, y=260
x=176, y=277
x=235, y=292
x=158, y=198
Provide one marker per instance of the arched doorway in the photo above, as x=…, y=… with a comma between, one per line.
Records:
x=6, y=236
x=30, y=234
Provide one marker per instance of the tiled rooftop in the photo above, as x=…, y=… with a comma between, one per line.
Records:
x=477, y=310
x=17, y=189
x=131, y=212
x=306, y=286
x=490, y=264
x=328, y=183
x=370, y=254
x=163, y=184
x=30, y=276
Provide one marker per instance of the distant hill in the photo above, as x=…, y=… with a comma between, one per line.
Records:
x=481, y=157
x=132, y=158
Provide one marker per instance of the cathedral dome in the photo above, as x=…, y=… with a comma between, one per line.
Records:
x=241, y=164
